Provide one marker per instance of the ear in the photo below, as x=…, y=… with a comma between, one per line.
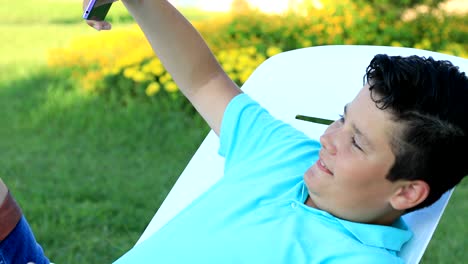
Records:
x=410, y=194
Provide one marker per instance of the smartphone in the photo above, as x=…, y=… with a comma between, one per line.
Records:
x=97, y=9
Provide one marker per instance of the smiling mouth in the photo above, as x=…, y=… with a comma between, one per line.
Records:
x=323, y=167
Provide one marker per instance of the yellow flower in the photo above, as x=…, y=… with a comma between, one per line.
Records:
x=153, y=67
x=243, y=76
x=165, y=78
x=306, y=43
x=90, y=79
x=243, y=61
x=396, y=44
x=115, y=70
x=233, y=76
x=171, y=87
x=130, y=72
x=251, y=50
x=259, y=59
x=271, y=51
x=153, y=88
x=140, y=77
x=228, y=67
x=222, y=55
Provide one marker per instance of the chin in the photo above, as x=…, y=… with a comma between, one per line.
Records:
x=310, y=175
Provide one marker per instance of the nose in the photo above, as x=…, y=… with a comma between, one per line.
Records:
x=328, y=141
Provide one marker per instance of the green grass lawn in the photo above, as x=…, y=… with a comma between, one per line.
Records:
x=90, y=174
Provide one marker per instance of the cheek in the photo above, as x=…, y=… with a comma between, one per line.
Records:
x=355, y=171
x=349, y=172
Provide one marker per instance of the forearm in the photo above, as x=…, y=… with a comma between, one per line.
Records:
x=178, y=45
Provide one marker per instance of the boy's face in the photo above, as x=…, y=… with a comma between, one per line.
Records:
x=349, y=179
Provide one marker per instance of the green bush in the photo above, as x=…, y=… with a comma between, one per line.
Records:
x=129, y=70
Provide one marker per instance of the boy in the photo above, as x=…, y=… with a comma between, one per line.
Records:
x=384, y=158
x=286, y=198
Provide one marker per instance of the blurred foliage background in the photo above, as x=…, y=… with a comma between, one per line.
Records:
x=95, y=132
x=241, y=40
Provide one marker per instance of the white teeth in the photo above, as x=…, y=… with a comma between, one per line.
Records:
x=325, y=166
x=321, y=163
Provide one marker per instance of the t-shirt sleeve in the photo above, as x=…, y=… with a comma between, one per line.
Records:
x=248, y=133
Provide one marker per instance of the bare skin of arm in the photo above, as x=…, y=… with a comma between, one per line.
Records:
x=185, y=55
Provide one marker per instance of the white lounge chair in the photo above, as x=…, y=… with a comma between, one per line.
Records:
x=317, y=82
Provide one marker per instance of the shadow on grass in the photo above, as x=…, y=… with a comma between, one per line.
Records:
x=89, y=174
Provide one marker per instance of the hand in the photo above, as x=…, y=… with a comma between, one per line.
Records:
x=98, y=25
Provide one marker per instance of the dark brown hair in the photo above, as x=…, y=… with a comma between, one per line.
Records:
x=430, y=99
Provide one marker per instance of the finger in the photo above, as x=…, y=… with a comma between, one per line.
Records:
x=85, y=4
x=99, y=25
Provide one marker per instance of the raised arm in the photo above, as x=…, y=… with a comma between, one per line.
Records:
x=185, y=55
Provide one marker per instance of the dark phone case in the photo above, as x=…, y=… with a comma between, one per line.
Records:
x=98, y=13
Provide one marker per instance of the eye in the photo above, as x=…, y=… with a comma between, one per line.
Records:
x=353, y=139
x=342, y=119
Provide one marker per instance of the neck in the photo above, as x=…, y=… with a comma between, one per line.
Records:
x=387, y=219
x=310, y=203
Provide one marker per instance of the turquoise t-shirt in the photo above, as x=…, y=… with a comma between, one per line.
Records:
x=256, y=213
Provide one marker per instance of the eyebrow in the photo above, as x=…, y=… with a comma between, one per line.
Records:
x=365, y=139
